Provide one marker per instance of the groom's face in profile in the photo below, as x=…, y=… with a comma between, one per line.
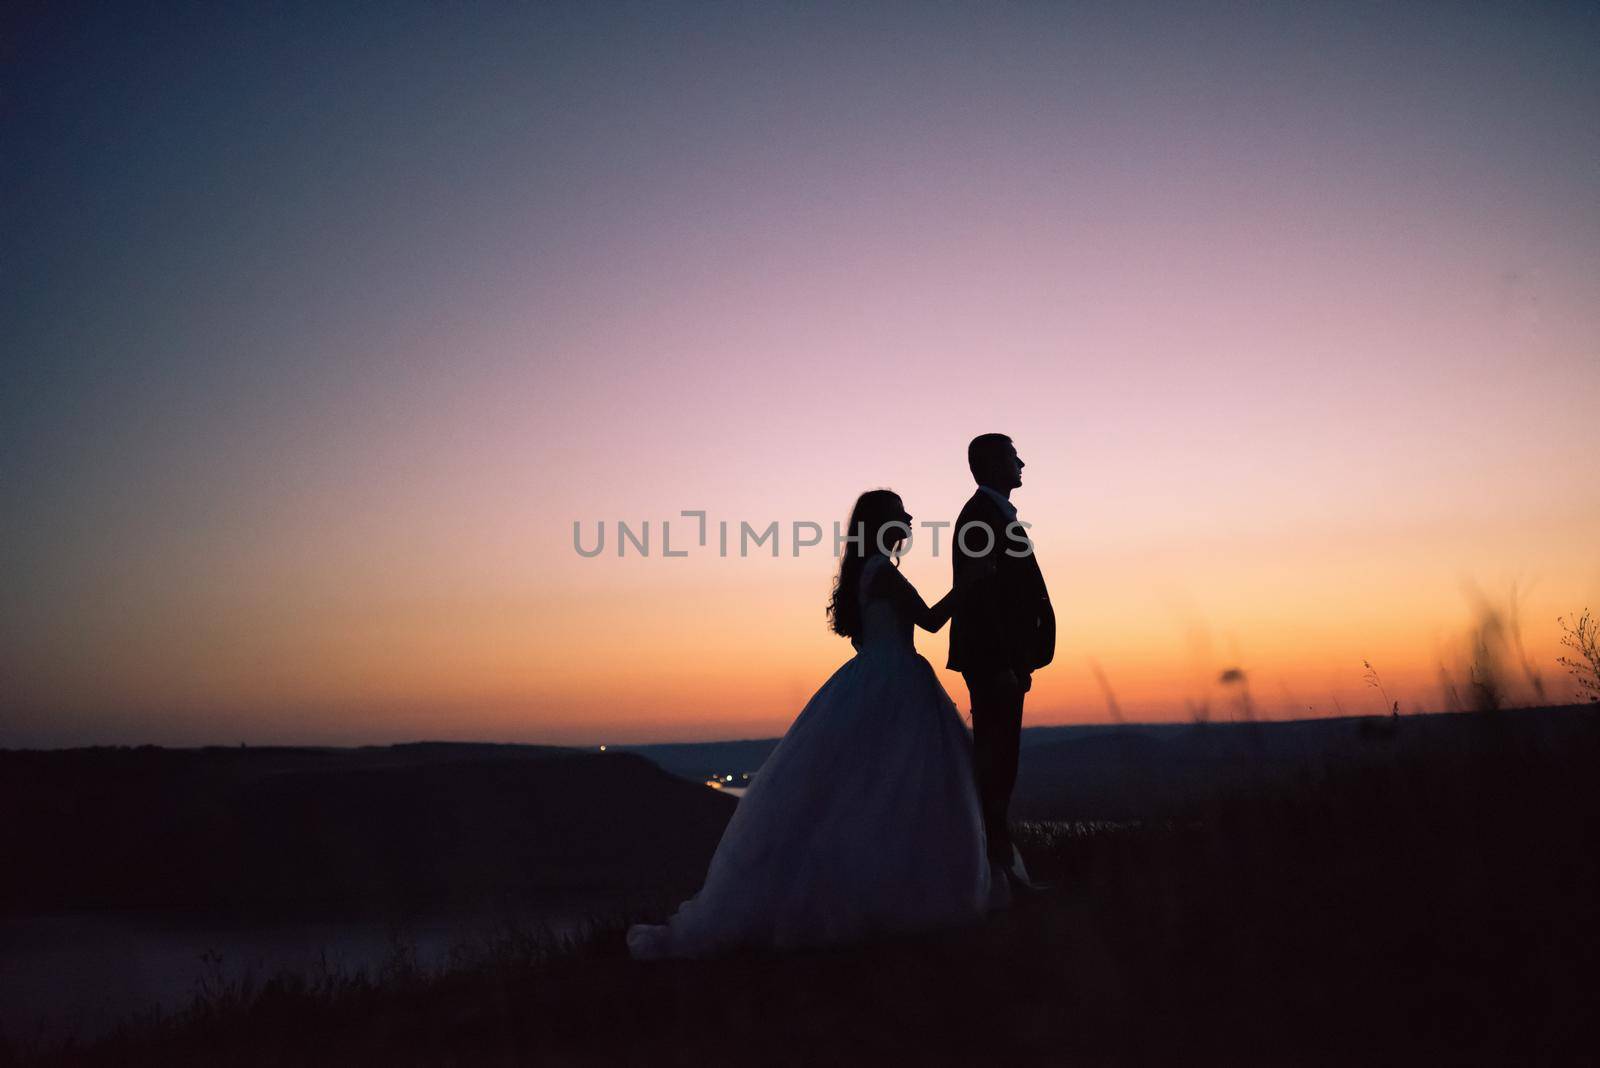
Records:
x=1005, y=469
x=1013, y=467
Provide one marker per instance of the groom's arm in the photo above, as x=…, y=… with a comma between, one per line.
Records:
x=978, y=544
x=991, y=613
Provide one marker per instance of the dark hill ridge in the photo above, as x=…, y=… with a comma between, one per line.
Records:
x=321, y=831
x=1144, y=772
x=1138, y=771
x=376, y=829
x=698, y=761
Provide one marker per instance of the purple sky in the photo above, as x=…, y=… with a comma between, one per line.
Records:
x=323, y=329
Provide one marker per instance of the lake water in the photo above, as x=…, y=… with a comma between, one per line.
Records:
x=79, y=975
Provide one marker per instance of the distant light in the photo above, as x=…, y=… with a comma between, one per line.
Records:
x=602, y=749
x=728, y=779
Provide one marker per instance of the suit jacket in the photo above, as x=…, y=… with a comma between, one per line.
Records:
x=1006, y=620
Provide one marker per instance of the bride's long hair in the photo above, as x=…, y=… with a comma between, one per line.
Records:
x=874, y=510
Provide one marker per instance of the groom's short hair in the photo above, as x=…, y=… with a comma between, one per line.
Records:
x=984, y=450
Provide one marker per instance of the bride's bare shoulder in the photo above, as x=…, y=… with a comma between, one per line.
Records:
x=883, y=579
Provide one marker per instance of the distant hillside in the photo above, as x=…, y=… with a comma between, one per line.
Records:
x=282, y=830
x=1143, y=772
x=698, y=761
x=1132, y=771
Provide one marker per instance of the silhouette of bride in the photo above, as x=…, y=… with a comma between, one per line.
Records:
x=865, y=819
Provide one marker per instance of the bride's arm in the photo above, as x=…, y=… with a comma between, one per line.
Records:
x=968, y=577
x=932, y=618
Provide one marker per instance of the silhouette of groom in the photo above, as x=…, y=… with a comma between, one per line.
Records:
x=1000, y=634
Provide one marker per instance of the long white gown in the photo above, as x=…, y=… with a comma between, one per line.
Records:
x=864, y=820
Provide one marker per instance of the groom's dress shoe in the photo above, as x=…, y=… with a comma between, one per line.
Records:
x=1023, y=887
x=1017, y=876
x=999, y=889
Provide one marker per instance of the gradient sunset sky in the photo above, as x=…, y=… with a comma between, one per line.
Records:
x=323, y=325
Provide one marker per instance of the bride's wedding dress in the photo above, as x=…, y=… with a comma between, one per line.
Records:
x=864, y=820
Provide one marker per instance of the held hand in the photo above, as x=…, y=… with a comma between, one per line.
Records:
x=1020, y=681
x=1006, y=680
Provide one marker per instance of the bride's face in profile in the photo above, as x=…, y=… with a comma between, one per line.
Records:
x=895, y=536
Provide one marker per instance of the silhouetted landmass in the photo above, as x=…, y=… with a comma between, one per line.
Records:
x=698, y=761
x=278, y=831
x=1324, y=893
x=1139, y=771
x=1158, y=771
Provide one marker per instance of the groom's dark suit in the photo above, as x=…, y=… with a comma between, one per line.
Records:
x=1005, y=623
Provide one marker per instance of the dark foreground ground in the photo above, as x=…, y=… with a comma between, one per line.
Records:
x=1429, y=900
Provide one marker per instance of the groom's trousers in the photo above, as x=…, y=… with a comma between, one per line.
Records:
x=996, y=736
